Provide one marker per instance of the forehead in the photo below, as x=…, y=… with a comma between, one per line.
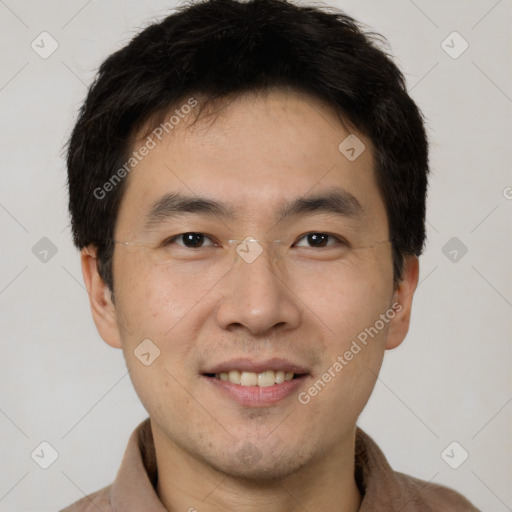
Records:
x=253, y=154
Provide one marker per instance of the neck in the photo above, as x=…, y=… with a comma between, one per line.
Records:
x=188, y=484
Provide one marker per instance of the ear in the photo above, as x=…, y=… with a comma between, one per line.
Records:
x=402, y=302
x=100, y=298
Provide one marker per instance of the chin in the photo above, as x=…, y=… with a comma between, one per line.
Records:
x=266, y=469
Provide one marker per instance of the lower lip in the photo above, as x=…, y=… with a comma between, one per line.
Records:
x=256, y=396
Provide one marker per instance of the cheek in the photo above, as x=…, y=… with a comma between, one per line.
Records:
x=347, y=301
x=151, y=305
x=356, y=309
x=353, y=355
x=151, y=300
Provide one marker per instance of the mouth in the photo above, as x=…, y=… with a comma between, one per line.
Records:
x=256, y=384
x=263, y=379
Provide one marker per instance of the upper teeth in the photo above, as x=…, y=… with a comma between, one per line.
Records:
x=268, y=378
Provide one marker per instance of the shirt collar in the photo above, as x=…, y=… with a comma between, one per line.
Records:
x=134, y=487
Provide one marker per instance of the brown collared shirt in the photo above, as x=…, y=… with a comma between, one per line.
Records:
x=382, y=489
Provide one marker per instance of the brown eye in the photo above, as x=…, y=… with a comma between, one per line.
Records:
x=191, y=240
x=318, y=240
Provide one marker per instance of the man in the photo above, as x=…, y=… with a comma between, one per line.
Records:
x=247, y=187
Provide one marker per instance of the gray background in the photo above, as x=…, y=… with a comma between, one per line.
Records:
x=449, y=381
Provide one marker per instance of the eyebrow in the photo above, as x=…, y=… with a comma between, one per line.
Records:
x=336, y=201
x=176, y=205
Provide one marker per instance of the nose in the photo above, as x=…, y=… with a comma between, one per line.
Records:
x=256, y=297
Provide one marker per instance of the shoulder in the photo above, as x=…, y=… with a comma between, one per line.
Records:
x=99, y=500
x=430, y=497
x=385, y=489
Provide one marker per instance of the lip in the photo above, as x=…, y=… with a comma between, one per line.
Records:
x=256, y=396
x=248, y=365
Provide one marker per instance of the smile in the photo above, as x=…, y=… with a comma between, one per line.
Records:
x=263, y=379
x=252, y=389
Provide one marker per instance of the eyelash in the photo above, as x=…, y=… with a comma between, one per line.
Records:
x=338, y=239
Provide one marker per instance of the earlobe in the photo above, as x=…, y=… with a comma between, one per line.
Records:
x=100, y=299
x=402, y=302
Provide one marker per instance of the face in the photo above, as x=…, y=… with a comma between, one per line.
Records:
x=319, y=304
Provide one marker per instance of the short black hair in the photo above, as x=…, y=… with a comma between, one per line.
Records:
x=215, y=49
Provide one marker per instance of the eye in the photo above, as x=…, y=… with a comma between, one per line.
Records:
x=319, y=240
x=191, y=240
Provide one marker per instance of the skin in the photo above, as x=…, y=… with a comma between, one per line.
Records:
x=262, y=149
